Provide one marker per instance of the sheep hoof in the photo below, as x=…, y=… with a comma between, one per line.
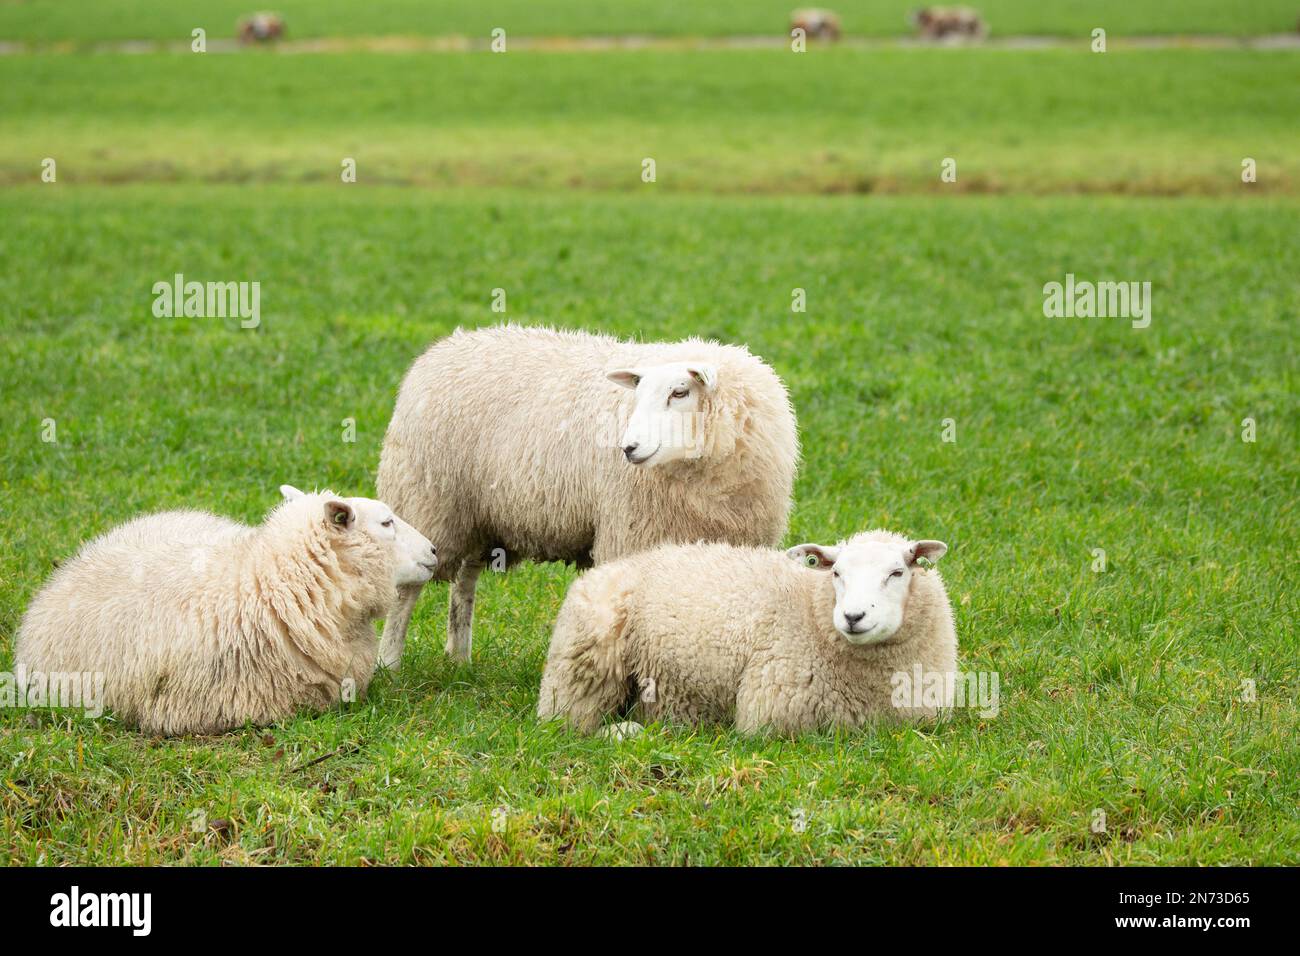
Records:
x=625, y=730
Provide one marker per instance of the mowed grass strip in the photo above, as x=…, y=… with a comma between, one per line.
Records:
x=1121, y=691
x=60, y=21
x=839, y=121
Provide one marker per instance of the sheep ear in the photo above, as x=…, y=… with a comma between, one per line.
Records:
x=930, y=550
x=338, y=513
x=627, y=377
x=706, y=375
x=291, y=493
x=816, y=556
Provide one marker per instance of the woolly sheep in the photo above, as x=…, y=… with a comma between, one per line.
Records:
x=506, y=444
x=200, y=624
x=715, y=633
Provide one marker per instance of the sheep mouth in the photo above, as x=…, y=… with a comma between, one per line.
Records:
x=424, y=574
x=862, y=635
x=643, y=458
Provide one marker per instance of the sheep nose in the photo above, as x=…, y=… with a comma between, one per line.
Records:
x=852, y=619
x=433, y=550
x=630, y=450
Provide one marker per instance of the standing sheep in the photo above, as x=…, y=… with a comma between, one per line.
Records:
x=199, y=624
x=949, y=23
x=507, y=443
x=715, y=633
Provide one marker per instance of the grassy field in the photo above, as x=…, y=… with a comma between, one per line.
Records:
x=61, y=20
x=735, y=121
x=1121, y=691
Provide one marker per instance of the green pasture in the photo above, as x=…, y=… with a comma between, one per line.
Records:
x=1123, y=691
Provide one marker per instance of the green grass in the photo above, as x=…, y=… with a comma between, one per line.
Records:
x=1121, y=691
x=1156, y=121
x=67, y=20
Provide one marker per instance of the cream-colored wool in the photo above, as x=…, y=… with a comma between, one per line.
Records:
x=200, y=624
x=712, y=633
x=509, y=438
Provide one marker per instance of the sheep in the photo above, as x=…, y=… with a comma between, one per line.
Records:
x=200, y=624
x=816, y=24
x=261, y=28
x=713, y=633
x=944, y=23
x=505, y=445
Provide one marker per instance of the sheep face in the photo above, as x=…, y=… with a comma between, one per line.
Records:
x=413, y=558
x=666, y=423
x=872, y=579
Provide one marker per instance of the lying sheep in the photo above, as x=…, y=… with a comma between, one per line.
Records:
x=715, y=633
x=509, y=443
x=200, y=624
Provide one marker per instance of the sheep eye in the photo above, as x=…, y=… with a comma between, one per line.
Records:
x=680, y=392
x=388, y=523
x=896, y=573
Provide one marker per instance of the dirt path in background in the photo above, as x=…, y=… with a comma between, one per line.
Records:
x=460, y=44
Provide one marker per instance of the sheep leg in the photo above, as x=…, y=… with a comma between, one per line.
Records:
x=460, y=611
x=393, y=642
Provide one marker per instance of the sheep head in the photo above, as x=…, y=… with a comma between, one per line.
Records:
x=872, y=577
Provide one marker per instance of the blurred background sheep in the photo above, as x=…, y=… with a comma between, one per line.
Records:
x=949, y=23
x=817, y=24
x=261, y=28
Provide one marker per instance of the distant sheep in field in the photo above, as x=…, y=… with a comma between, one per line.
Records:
x=200, y=624
x=711, y=633
x=261, y=28
x=816, y=24
x=949, y=23
x=512, y=443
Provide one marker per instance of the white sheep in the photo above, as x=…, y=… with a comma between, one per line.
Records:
x=712, y=633
x=199, y=624
x=512, y=443
x=816, y=24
